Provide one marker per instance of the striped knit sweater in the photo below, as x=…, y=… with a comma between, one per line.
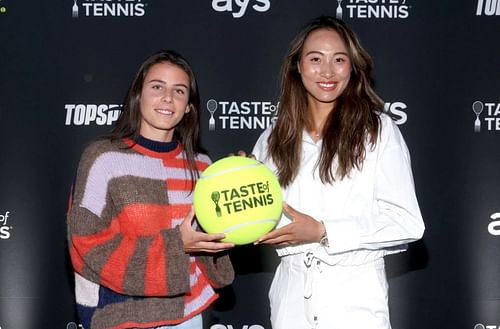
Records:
x=131, y=270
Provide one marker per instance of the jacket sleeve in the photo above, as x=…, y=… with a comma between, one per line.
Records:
x=106, y=249
x=394, y=218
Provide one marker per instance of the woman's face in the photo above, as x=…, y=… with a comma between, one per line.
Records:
x=325, y=66
x=164, y=101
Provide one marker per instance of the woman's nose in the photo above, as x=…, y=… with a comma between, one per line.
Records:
x=167, y=97
x=326, y=70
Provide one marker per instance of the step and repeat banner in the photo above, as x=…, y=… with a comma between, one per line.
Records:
x=65, y=66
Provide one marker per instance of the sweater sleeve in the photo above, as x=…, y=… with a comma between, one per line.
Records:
x=120, y=246
x=394, y=218
x=218, y=269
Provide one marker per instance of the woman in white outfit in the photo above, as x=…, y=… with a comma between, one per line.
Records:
x=347, y=182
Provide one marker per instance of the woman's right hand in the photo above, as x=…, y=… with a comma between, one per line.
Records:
x=195, y=241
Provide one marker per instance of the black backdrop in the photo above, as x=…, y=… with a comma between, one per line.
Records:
x=62, y=80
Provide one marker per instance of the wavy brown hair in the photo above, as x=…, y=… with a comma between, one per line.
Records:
x=347, y=129
x=186, y=132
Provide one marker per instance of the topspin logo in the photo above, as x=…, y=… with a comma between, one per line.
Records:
x=372, y=9
x=89, y=114
x=488, y=8
x=104, y=8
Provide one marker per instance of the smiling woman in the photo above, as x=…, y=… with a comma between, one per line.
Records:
x=134, y=245
x=325, y=69
x=347, y=184
x=164, y=101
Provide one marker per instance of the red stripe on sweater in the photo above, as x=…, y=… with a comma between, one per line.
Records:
x=155, y=283
x=85, y=243
x=113, y=272
x=142, y=219
x=198, y=286
x=182, y=163
x=179, y=184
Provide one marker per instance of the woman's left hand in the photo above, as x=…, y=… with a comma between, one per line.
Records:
x=302, y=229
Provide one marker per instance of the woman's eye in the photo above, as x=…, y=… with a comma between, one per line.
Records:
x=315, y=59
x=156, y=87
x=180, y=91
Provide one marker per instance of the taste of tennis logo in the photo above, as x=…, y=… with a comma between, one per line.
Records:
x=233, y=115
x=5, y=228
x=105, y=8
x=487, y=116
x=390, y=9
x=239, y=199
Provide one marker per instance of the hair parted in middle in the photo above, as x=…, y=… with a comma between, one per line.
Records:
x=354, y=120
x=187, y=131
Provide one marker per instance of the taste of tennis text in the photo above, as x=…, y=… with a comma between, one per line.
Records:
x=247, y=196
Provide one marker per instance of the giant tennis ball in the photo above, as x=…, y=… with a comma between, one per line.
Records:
x=239, y=197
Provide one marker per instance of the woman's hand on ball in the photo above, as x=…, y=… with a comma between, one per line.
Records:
x=195, y=241
x=302, y=229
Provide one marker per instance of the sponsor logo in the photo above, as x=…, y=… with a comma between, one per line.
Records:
x=494, y=225
x=72, y=325
x=232, y=115
x=488, y=8
x=485, y=326
x=249, y=115
x=5, y=228
x=254, y=195
x=91, y=114
x=390, y=9
x=397, y=111
x=487, y=116
x=3, y=10
x=246, y=326
x=108, y=8
x=238, y=8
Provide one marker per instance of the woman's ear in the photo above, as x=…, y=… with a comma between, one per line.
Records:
x=188, y=108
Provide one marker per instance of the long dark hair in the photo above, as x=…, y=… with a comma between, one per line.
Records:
x=186, y=132
x=354, y=121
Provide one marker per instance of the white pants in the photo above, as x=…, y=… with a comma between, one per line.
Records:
x=328, y=297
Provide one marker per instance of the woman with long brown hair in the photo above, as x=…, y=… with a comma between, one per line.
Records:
x=139, y=260
x=347, y=182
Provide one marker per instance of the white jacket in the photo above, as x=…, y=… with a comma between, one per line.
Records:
x=371, y=213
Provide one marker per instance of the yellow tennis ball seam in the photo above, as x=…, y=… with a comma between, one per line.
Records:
x=207, y=175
